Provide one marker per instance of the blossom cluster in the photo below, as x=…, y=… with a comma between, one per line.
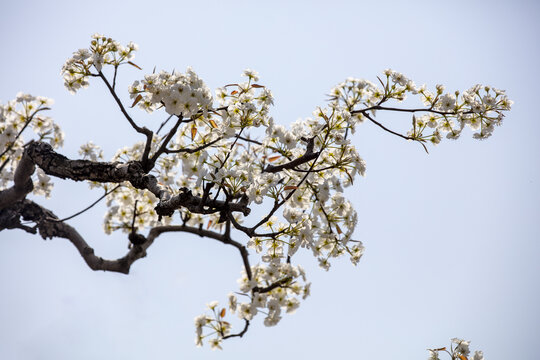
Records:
x=480, y=107
x=459, y=349
x=102, y=51
x=181, y=94
x=17, y=115
x=260, y=296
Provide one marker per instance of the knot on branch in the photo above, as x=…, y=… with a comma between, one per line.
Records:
x=136, y=239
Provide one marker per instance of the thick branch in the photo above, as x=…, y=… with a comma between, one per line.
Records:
x=196, y=204
x=60, y=166
x=22, y=183
x=48, y=226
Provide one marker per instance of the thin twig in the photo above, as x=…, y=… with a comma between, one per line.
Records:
x=142, y=130
x=114, y=77
x=241, y=333
x=164, y=123
x=393, y=132
x=18, y=135
x=90, y=206
x=165, y=142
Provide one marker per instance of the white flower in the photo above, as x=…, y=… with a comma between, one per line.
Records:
x=447, y=102
x=91, y=151
x=462, y=346
x=292, y=304
x=433, y=355
x=247, y=311
x=43, y=186
x=478, y=355
x=212, y=305
x=292, y=215
x=215, y=343
x=251, y=74
x=233, y=302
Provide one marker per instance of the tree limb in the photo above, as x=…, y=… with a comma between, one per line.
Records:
x=52, y=163
x=22, y=183
x=48, y=226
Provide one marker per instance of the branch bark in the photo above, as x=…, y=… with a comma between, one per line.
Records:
x=48, y=226
x=54, y=164
x=22, y=183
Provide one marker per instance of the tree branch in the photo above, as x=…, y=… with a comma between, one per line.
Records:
x=91, y=205
x=48, y=226
x=241, y=333
x=165, y=142
x=142, y=130
x=393, y=132
x=308, y=156
x=192, y=150
x=22, y=183
x=52, y=163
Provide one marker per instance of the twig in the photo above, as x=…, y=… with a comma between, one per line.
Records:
x=89, y=207
x=18, y=135
x=241, y=333
x=164, y=123
x=142, y=130
x=393, y=132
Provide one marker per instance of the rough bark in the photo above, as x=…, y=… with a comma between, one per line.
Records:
x=54, y=164
x=48, y=226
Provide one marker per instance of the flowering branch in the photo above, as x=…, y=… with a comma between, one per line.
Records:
x=209, y=170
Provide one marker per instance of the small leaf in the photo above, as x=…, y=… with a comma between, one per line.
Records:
x=213, y=123
x=137, y=99
x=222, y=313
x=290, y=187
x=274, y=158
x=132, y=64
x=234, y=92
x=463, y=357
x=338, y=229
x=209, y=224
x=193, y=132
x=231, y=85
x=257, y=86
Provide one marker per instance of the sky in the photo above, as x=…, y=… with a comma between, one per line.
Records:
x=451, y=237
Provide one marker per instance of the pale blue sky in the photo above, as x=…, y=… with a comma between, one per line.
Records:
x=451, y=237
